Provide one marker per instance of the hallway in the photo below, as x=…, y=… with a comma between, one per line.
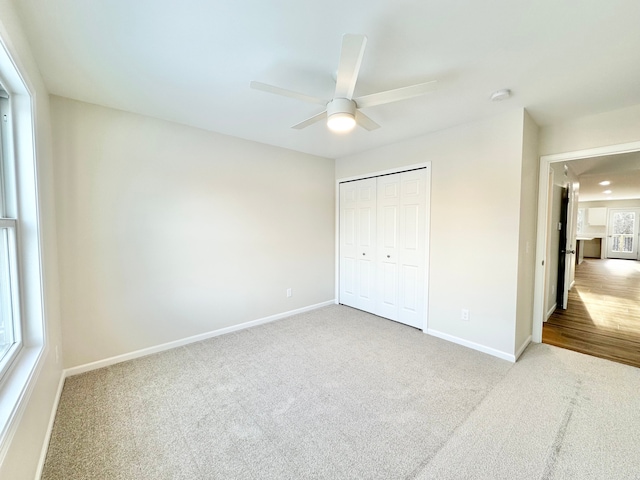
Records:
x=603, y=316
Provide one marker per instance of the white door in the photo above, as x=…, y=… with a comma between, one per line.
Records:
x=412, y=248
x=383, y=246
x=622, y=236
x=357, y=244
x=402, y=247
x=389, y=187
x=569, y=250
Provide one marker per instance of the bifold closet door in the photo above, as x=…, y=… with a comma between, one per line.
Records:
x=383, y=245
x=358, y=244
x=412, y=268
x=388, y=216
x=401, y=219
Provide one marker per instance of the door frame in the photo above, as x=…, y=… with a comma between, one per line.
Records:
x=542, y=233
x=405, y=168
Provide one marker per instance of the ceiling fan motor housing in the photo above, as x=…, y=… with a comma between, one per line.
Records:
x=341, y=105
x=341, y=114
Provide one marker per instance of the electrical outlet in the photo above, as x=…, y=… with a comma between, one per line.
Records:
x=465, y=315
x=289, y=292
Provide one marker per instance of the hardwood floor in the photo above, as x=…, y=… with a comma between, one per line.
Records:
x=603, y=316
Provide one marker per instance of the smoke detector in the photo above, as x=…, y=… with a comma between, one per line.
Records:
x=500, y=95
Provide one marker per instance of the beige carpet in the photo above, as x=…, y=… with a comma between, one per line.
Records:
x=341, y=394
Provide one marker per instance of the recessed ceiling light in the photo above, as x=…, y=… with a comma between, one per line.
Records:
x=500, y=95
x=604, y=183
x=607, y=192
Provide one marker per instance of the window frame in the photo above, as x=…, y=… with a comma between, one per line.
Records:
x=9, y=223
x=21, y=377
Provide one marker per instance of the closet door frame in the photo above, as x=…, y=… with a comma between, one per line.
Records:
x=427, y=167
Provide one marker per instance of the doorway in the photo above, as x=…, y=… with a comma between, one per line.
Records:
x=577, y=295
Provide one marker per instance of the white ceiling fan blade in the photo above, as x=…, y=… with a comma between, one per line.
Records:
x=349, y=66
x=395, y=95
x=310, y=121
x=365, y=122
x=287, y=93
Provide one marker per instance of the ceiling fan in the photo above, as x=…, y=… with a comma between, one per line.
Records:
x=343, y=111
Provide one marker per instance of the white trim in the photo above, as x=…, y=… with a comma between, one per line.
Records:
x=391, y=171
x=522, y=348
x=336, y=283
x=427, y=249
x=17, y=388
x=551, y=310
x=379, y=173
x=52, y=418
x=185, y=341
x=7, y=223
x=541, y=240
x=475, y=346
x=593, y=152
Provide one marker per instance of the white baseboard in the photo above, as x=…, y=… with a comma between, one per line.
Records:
x=524, y=345
x=52, y=418
x=550, y=312
x=185, y=341
x=475, y=346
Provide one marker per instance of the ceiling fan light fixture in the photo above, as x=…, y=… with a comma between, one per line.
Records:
x=341, y=115
x=341, y=122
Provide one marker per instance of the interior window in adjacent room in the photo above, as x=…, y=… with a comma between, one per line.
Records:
x=580, y=223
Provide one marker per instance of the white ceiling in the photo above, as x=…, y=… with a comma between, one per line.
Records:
x=622, y=170
x=191, y=61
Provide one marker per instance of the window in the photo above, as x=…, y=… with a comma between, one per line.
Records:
x=23, y=335
x=623, y=231
x=580, y=224
x=10, y=326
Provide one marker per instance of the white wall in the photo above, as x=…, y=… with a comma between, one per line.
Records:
x=22, y=457
x=168, y=231
x=633, y=203
x=609, y=128
x=475, y=227
x=527, y=242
